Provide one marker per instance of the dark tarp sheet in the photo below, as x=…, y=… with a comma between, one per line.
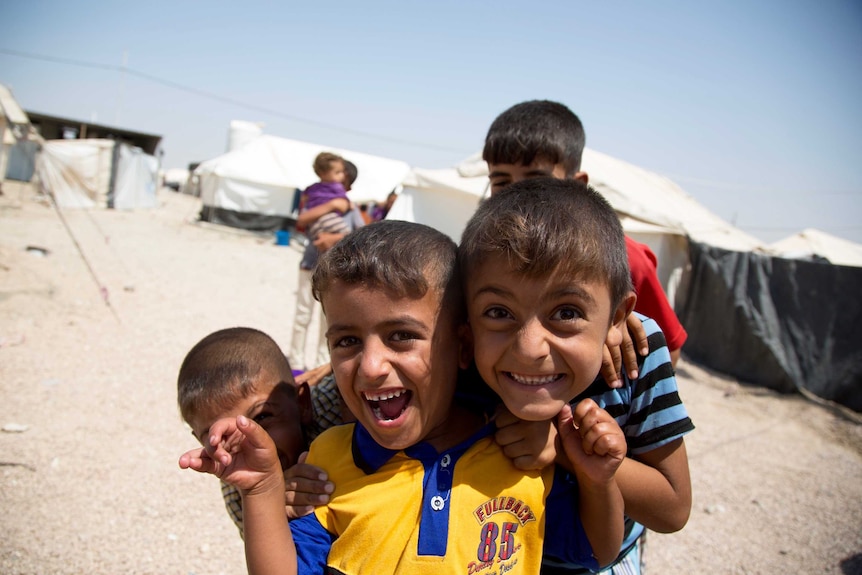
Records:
x=780, y=323
x=246, y=221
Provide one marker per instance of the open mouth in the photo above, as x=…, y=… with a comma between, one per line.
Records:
x=388, y=405
x=534, y=379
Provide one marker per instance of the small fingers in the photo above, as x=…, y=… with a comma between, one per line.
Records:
x=508, y=435
x=309, y=486
x=566, y=423
x=305, y=470
x=609, y=372
x=198, y=460
x=307, y=492
x=599, y=431
x=527, y=463
x=191, y=459
x=306, y=485
x=637, y=333
x=602, y=438
x=503, y=417
x=629, y=355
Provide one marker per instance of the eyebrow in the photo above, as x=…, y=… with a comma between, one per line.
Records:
x=540, y=172
x=575, y=290
x=491, y=289
x=399, y=321
x=532, y=173
x=563, y=291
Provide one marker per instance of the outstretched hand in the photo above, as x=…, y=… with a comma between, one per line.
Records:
x=239, y=452
x=592, y=441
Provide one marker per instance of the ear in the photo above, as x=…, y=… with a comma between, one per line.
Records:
x=618, y=321
x=465, y=337
x=582, y=177
x=303, y=400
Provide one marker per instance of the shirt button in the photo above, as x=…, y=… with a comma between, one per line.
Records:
x=445, y=461
x=437, y=503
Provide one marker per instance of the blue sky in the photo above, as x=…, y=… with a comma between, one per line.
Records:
x=752, y=107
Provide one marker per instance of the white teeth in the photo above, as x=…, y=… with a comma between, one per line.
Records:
x=534, y=379
x=383, y=395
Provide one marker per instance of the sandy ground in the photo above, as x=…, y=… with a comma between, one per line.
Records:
x=91, y=434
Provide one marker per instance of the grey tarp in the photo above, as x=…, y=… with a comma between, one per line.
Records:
x=22, y=160
x=782, y=323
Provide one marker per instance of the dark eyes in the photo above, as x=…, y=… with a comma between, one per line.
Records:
x=497, y=313
x=262, y=416
x=404, y=336
x=567, y=314
x=560, y=314
x=345, y=342
x=396, y=336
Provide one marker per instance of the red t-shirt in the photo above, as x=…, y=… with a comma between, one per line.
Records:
x=652, y=301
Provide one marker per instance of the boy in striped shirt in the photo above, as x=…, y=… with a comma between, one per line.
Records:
x=546, y=284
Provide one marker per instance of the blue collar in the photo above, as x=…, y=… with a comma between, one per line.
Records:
x=370, y=456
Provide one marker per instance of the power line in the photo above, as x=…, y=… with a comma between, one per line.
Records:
x=223, y=99
x=740, y=188
x=786, y=228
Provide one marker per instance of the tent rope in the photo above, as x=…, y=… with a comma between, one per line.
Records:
x=103, y=290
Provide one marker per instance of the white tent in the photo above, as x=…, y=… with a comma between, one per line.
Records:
x=261, y=176
x=98, y=172
x=811, y=242
x=653, y=209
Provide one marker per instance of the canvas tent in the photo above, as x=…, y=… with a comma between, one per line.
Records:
x=255, y=186
x=18, y=141
x=815, y=245
x=446, y=199
x=786, y=324
x=98, y=172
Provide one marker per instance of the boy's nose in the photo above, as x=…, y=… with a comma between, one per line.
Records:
x=374, y=363
x=531, y=341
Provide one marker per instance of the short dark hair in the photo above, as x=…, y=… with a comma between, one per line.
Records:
x=223, y=366
x=351, y=172
x=405, y=259
x=536, y=129
x=541, y=225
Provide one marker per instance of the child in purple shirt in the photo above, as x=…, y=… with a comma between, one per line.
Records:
x=330, y=168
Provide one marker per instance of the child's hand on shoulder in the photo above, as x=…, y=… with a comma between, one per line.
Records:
x=592, y=440
x=625, y=356
x=529, y=444
x=239, y=452
x=305, y=486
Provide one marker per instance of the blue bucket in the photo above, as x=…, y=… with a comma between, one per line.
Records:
x=282, y=238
